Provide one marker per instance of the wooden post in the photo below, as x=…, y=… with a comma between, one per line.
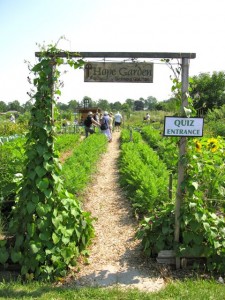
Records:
x=51, y=85
x=182, y=152
x=171, y=186
x=131, y=135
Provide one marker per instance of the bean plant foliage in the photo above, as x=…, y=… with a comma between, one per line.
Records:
x=48, y=226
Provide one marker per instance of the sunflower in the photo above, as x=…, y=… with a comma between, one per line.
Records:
x=198, y=146
x=212, y=144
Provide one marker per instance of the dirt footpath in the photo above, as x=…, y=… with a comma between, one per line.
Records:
x=115, y=256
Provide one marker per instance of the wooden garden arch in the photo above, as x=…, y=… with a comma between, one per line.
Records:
x=185, y=59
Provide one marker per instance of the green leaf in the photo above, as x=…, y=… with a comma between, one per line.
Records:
x=55, y=238
x=69, y=232
x=40, y=171
x=16, y=256
x=35, y=198
x=165, y=229
x=206, y=226
x=43, y=223
x=24, y=270
x=217, y=244
x=48, y=167
x=2, y=243
x=40, y=209
x=31, y=207
x=47, y=156
x=32, y=175
x=78, y=233
x=40, y=149
x=4, y=255
x=192, y=204
x=31, y=229
x=19, y=240
x=65, y=240
x=58, y=92
x=48, y=193
x=45, y=236
x=195, y=184
x=35, y=247
x=43, y=184
x=57, y=221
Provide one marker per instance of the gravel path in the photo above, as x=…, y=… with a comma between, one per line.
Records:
x=115, y=256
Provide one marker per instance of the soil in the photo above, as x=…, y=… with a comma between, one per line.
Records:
x=115, y=258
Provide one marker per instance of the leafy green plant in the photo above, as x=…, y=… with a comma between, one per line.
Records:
x=49, y=227
x=156, y=230
x=205, y=178
x=12, y=157
x=66, y=142
x=9, y=129
x=79, y=167
x=151, y=135
x=203, y=234
x=143, y=175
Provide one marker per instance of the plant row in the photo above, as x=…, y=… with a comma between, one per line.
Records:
x=143, y=174
x=202, y=213
x=79, y=167
x=202, y=226
x=58, y=231
x=12, y=159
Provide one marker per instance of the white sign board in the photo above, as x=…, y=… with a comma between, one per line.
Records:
x=180, y=126
x=118, y=72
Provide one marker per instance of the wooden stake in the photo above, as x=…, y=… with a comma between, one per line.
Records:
x=182, y=152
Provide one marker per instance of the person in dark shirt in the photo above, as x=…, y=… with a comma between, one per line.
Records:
x=88, y=124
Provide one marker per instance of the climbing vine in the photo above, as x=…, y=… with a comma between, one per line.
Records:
x=50, y=229
x=176, y=88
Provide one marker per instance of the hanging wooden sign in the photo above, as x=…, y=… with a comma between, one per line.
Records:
x=181, y=126
x=118, y=72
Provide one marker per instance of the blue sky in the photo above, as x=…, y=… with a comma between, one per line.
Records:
x=109, y=25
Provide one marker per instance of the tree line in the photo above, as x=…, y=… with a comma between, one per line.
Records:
x=207, y=91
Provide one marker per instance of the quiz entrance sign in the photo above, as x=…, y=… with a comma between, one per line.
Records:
x=182, y=126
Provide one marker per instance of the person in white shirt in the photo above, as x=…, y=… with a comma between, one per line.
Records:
x=118, y=120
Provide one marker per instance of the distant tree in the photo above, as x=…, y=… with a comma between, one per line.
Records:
x=103, y=104
x=27, y=106
x=116, y=106
x=62, y=106
x=171, y=105
x=125, y=107
x=73, y=105
x=3, y=106
x=150, y=103
x=208, y=91
x=139, y=104
x=130, y=102
x=15, y=105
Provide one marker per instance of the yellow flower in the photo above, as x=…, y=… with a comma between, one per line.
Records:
x=212, y=144
x=198, y=146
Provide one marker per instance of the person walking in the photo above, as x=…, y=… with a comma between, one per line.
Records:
x=111, y=122
x=105, y=126
x=147, y=118
x=88, y=124
x=118, y=120
x=12, y=118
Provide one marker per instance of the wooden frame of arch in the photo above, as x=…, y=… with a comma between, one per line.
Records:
x=185, y=57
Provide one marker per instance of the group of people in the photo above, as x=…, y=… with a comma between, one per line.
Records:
x=105, y=122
